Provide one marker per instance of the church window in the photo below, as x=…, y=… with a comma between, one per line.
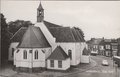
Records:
x=17, y=51
x=52, y=63
x=25, y=54
x=36, y=54
x=13, y=52
x=70, y=54
x=43, y=51
x=59, y=64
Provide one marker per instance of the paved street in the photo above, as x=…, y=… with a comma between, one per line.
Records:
x=99, y=70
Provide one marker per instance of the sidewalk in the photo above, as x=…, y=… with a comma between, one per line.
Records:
x=73, y=70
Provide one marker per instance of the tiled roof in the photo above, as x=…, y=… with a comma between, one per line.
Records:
x=62, y=34
x=96, y=41
x=17, y=37
x=58, y=54
x=77, y=34
x=33, y=38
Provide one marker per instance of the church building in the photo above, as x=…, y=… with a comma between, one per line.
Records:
x=47, y=45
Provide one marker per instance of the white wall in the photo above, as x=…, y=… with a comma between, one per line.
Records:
x=83, y=45
x=65, y=64
x=31, y=61
x=12, y=45
x=85, y=59
x=78, y=52
x=66, y=46
x=47, y=34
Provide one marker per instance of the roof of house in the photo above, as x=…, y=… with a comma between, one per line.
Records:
x=58, y=54
x=17, y=37
x=96, y=41
x=33, y=38
x=86, y=52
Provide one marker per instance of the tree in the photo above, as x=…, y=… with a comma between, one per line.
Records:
x=5, y=37
x=14, y=26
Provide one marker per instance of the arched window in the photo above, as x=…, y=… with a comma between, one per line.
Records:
x=36, y=54
x=70, y=53
x=24, y=54
x=12, y=52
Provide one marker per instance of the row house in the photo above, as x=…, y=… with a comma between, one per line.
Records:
x=118, y=53
x=114, y=47
x=94, y=45
x=107, y=46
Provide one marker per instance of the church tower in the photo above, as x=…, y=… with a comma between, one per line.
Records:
x=40, y=13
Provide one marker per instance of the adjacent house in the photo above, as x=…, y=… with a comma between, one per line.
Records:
x=47, y=45
x=118, y=52
x=107, y=45
x=114, y=47
x=93, y=45
x=101, y=48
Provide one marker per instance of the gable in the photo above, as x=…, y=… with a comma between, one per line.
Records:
x=58, y=54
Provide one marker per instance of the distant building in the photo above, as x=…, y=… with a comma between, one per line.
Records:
x=114, y=47
x=101, y=47
x=47, y=45
x=93, y=45
x=108, y=51
x=118, y=53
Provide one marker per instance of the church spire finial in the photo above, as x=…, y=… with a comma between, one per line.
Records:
x=40, y=13
x=40, y=6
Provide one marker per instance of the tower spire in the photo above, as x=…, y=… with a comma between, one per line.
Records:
x=40, y=13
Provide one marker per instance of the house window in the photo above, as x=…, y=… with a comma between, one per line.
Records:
x=36, y=54
x=107, y=46
x=12, y=52
x=59, y=64
x=25, y=54
x=70, y=54
x=52, y=63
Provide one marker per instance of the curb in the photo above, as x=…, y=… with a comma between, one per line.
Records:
x=95, y=63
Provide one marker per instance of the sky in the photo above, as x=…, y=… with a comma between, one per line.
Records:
x=97, y=19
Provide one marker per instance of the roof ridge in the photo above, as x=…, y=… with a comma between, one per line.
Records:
x=23, y=36
x=72, y=34
x=35, y=34
x=17, y=32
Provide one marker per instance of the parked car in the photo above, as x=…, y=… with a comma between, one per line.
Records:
x=105, y=63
